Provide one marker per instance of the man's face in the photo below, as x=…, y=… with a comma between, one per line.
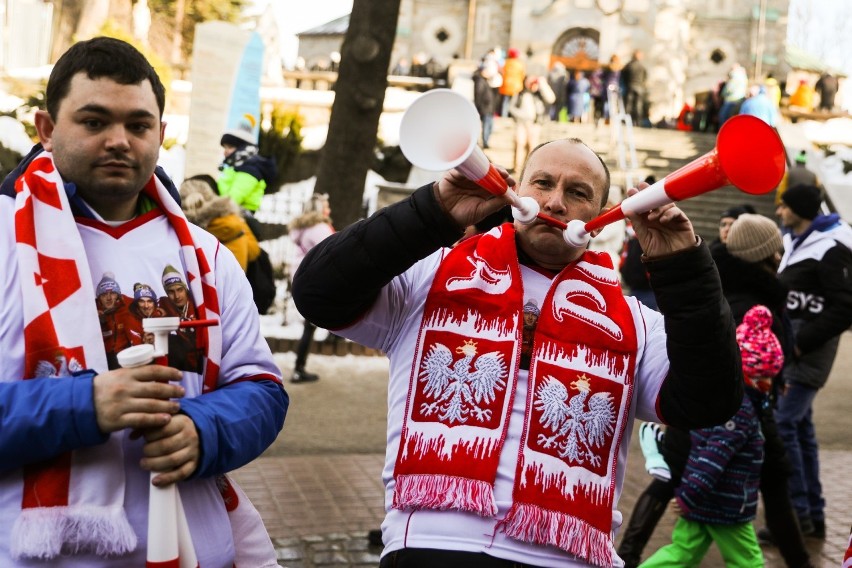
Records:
x=105, y=139
x=146, y=306
x=786, y=216
x=567, y=180
x=724, y=227
x=108, y=300
x=227, y=149
x=177, y=294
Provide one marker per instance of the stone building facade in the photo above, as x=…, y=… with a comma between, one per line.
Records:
x=689, y=45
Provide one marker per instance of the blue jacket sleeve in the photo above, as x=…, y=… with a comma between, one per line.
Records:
x=236, y=423
x=42, y=418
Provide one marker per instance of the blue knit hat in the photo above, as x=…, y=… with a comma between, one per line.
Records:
x=108, y=284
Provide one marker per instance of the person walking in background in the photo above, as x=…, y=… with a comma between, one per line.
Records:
x=798, y=174
x=454, y=321
x=529, y=111
x=726, y=220
x=245, y=174
x=485, y=99
x=612, y=84
x=306, y=231
x=733, y=93
x=802, y=98
x=634, y=76
x=817, y=270
x=77, y=472
x=557, y=79
x=597, y=91
x=577, y=91
x=716, y=499
x=826, y=86
x=513, y=73
x=758, y=104
x=220, y=217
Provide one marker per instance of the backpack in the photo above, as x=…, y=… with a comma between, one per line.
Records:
x=260, y=276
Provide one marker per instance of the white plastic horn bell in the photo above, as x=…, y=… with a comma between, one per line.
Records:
x=440, y=130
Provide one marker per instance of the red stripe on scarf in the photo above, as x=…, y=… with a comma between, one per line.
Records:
x=463, y=379
x=46, y=483
x=580, y=386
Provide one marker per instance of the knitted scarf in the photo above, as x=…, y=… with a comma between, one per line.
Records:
x=74, y=502
x=463, y=381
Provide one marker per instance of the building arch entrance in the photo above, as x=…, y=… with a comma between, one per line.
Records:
x=577, y=49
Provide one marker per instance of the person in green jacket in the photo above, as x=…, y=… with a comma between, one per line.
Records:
x=245, y=174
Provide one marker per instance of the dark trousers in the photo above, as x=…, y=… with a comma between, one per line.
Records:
x=432, y=558
x=304, y=346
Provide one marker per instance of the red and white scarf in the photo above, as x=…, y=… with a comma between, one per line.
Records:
x=463, y=381
x=74, y=502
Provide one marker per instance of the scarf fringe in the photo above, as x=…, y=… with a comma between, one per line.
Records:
x=443, y=492
x=45, y=532
x=533, y=524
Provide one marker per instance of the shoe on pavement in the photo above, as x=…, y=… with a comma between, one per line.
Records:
x=807, y=526
x=302, y=376
x=817, y=530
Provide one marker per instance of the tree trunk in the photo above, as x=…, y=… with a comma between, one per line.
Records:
x=358, y=101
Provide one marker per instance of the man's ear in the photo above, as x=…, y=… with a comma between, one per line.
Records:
x=162, y=132
x=44, y=126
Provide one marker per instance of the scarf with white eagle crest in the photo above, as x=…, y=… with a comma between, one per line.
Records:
x=462, y=387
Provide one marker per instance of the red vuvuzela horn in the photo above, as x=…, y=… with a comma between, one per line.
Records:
x=749, y=155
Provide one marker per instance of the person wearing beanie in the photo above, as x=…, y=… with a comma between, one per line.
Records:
x=221, y=217
x=760, y=348
x=716, y=498
x=183, y=351
x=753, y=238
x=144, y=305
x=115, y=319
x=804, y=201
x=727, y=218
x=817, y=270
x=244, y=173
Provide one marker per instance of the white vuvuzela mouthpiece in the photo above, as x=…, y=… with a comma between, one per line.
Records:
x=575, y=234
x=527, y=211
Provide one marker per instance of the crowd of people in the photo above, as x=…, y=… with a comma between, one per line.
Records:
x=517, y=361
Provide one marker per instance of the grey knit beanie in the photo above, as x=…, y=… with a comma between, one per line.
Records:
x=753, y=238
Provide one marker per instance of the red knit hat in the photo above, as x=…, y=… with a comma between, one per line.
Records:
x=761, y=352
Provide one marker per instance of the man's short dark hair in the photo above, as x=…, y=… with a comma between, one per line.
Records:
x=101, y=57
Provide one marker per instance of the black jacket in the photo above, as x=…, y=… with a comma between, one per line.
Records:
x=341, y=277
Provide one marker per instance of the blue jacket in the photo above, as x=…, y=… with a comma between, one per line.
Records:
x=719, y=485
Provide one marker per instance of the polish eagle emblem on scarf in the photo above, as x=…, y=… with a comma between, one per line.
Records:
x=579, y=424
x=455, y=392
